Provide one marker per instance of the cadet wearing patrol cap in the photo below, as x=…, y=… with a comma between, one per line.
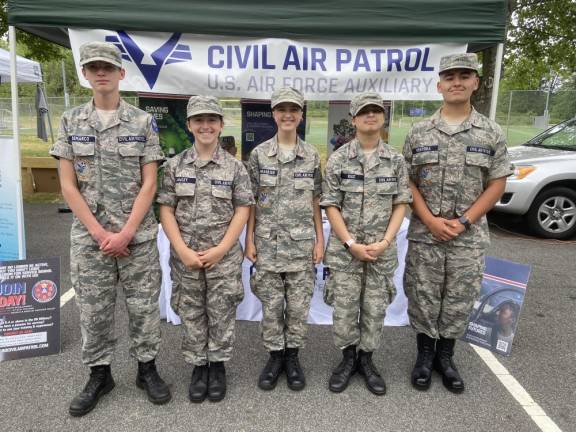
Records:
x=108, y=152
x=284, y=237
x=458, y=164
x=204, y=204
x=365, y=194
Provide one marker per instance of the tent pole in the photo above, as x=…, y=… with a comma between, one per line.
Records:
x=16, y=141
x=496, y=82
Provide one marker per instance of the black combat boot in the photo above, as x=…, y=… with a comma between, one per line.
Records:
x=149, y=380
x=341, y=375
x=422, y=372
x=374, y=381
x=269, y=376
x=444, y=365
x=294, y=373
x=216, y=381
x=199, y=384
x=100, y=383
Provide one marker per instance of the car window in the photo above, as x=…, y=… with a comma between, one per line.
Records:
x=566, y=138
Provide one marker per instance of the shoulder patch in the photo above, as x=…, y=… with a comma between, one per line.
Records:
x=154, y=125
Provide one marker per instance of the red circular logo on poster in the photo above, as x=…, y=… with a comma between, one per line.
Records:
x=44, y=291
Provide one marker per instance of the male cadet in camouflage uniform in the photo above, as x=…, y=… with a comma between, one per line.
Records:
x=284, y=237
x=365, y=193
x=204, y=204
x=458, y=165
x=108, y=152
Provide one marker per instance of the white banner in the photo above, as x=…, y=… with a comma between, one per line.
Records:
x=12, y=241
x=175, y=63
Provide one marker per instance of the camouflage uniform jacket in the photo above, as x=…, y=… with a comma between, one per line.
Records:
x=451, y=169
x=364, y=189
x=284, y=191
x=108, y=165
x=204, y=195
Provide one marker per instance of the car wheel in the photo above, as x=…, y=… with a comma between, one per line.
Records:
x=553, y=213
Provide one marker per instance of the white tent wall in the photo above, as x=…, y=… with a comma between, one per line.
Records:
x=28, y=71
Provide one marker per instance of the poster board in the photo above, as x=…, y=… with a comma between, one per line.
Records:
x=29, y=308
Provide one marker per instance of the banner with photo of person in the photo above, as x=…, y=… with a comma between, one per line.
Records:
x=494, y=319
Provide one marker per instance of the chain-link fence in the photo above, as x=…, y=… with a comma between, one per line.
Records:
x=522, y=114
x=525, y=113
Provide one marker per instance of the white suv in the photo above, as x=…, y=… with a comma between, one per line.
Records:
x=543, y=187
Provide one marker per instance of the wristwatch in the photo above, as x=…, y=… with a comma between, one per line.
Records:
x=465, y=221
x=348, y=243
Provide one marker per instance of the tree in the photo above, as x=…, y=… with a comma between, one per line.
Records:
x=540, y=42
x=29, y=45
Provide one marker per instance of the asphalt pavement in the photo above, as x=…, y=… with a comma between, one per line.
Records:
x=35, y=393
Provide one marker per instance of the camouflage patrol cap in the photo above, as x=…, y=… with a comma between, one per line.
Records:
x=100, y=51
x=459, y=61
x=287, y=94
x=203, y=105
x=364, y=99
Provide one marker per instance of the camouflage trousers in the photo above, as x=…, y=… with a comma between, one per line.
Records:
x=207, y=308
x=360, y=301
x=285, y=301
x=95, y=278
x=441, y=283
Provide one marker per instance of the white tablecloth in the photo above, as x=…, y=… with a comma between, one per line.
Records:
x=250, y=309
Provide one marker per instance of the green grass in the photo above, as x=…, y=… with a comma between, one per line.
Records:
x=43, y=198
x=317, y=134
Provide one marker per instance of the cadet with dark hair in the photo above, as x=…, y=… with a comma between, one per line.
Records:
x=108, y=152
x=458, y=166
x=284, y=237
x=204, y=204
x=365, y=193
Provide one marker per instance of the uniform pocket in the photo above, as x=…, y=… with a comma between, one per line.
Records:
x=185, y=188
x=328, y=288
x=350, y=185
x=425, y=155
x=303, y=183
x=135, y=149
x=268, y=176
x=302, y=243
x=223, y=192
x=262, y=231
x=83, y=148
x=387, y=185
x=479, y=156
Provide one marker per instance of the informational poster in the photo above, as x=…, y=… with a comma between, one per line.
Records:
x=258, y=124
x=12, y=243
x=169, y=111
x=29, y=308
x=495, y=315
x=340, y=127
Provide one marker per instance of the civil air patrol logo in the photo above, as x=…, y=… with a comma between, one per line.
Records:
x=82, y=168
x=44, y=291
x=154, y=125
x=425, y=175
x=263, y=199
x=151, y=63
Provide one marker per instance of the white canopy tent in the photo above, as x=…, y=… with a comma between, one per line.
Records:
x=28, y=71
